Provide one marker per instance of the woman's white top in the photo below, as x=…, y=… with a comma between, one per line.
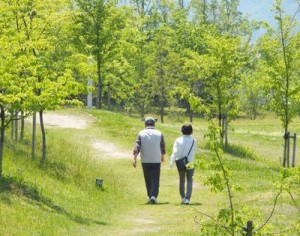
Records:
x=182, y=146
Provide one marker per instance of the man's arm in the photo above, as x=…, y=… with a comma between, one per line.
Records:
x=162, y=148
x=136, y=150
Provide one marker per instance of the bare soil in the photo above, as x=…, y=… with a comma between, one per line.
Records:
x=104, y=148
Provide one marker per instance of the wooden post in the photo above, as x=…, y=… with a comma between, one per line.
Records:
x=12, y=125
x=285, y=136
x=226, y=131
x=16, y=121
x=294, y=150
x=108, y=96
x=249, y=228
x=288, y=151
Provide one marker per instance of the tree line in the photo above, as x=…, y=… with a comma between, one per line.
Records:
x=145, y=56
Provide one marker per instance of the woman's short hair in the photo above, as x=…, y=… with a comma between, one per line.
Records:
x=187, y=129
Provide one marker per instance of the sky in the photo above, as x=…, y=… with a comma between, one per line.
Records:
x=262, y=10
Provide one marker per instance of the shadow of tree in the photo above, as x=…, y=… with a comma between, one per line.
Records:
x=16, y=186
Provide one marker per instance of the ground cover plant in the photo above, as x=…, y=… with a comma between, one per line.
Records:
x=60, y=196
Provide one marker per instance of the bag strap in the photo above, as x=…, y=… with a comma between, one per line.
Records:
x=191, y=147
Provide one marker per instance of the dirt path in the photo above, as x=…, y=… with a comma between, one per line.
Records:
x=80, y=122
x=65, y=121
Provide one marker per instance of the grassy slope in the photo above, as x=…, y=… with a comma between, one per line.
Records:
x=60, y=198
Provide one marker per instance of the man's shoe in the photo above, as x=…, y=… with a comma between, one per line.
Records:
x=182, y=200
x=186, y=201
x=153, y=200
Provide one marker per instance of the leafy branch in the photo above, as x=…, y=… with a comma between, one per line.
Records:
x=218, y=182
x=273, y=210
x=215, y=146
x=230, y=219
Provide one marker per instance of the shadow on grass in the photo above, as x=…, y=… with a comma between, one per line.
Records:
x=187, y=205
x=159, y=203
x=240, y=151
x=15, y=186
x=179, y=204
x=55, y=169
x=193, y=204
x=237, y=151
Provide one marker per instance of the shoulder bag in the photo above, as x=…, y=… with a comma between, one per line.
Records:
x=182, y=162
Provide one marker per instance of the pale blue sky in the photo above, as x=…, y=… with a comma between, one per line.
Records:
x=262, y=9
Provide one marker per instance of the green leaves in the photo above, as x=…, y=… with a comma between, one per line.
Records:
x=290, y=178
x=38, y=37
x=279, y=66
x=216, y=182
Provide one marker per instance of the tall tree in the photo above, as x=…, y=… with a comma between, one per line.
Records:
x=159, y=54
x=252, y=96
x=188, y=44
x=101, y=24
x=279, y=51
x=219, y=53
x=221, y=66
x=159, y=70
x=152, y=55
x=14, y=67
x=139, y=88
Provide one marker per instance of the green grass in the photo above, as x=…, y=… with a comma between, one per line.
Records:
x=60, y=197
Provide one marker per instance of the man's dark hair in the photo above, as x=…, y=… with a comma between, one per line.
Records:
x=187, y=129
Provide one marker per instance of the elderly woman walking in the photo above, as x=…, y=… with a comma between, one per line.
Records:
x=185, y=146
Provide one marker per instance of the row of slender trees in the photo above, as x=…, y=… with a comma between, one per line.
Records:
x=145, y=56
x=38, y=66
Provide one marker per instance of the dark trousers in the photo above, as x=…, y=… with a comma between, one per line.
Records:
x=151, y=174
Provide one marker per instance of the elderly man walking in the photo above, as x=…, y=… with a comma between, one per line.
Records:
x=150, y=144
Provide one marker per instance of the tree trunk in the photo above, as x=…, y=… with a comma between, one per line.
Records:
x=22, y=126
x=191, y=116
x=162, y=113
x=99, y=84
x=98, y=98
x=142, y=110
x=108, y=96
x=43, y=136
x=181, y=4
x=225, y=130
x=190, y=112
x=16, y=121
x=220, y=118
x=12, y=125
x=33, y=139
x=2, y=132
